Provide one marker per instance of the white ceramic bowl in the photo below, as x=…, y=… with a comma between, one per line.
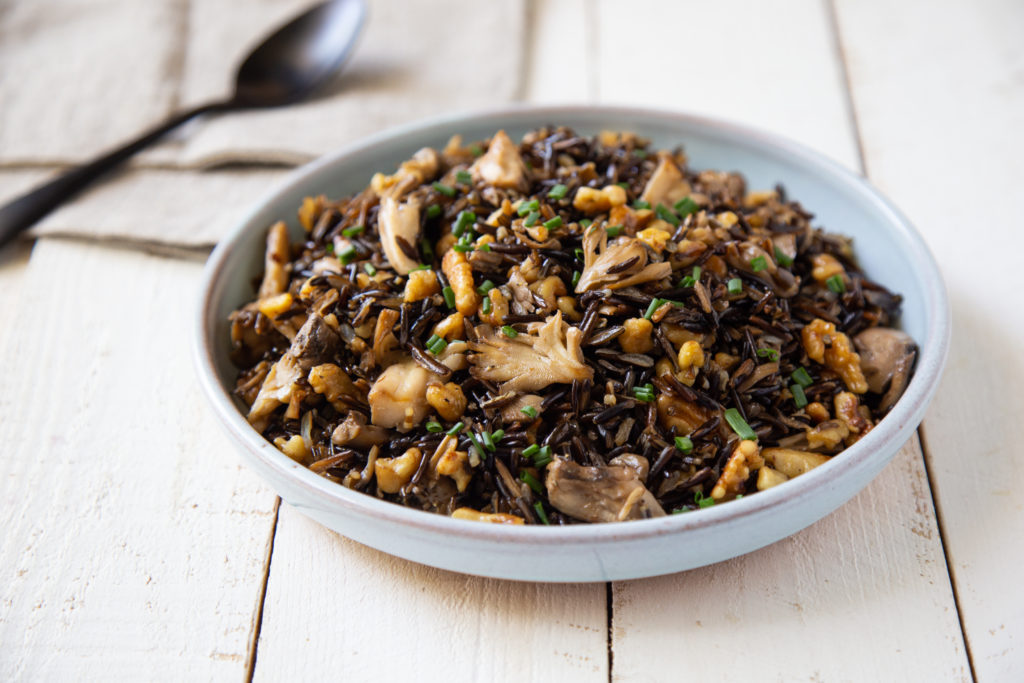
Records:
x=888, y=248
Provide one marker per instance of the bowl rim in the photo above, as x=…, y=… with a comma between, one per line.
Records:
x=898, y=425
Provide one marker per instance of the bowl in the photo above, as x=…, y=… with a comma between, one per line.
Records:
x=888, y=248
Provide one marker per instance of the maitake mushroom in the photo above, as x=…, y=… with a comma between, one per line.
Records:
x=599, y=494
x=620, y=264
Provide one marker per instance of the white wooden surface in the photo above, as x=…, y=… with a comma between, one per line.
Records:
x=947, y=145
x=136, y=547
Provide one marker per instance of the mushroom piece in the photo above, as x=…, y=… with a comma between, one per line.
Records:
x=599, y=494
x=886, y=357
x=275, y=262
x=398, y=398
x=501, y=166
x=314, y=343
x=422, y=167
x=399, y=221
x=276, y=390
x=620, y=264
x=782, y=282
x=530, y=362
x=667, y=184
x=356, y=433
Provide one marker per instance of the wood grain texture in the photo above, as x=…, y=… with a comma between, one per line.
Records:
x=560, y=63
x=134, y=542
x=368, y=616
x=769, y=65
x=944, y=141
x=862, y=595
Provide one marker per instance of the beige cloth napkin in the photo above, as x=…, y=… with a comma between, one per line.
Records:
x=105, y=70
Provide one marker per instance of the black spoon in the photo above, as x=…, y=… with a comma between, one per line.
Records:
x=285, y=68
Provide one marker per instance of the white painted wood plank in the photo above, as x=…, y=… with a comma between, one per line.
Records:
x=862, y=595
x=559, y=59
x=938, y=90
x=357, y=614
x=768, y=65
x=134, y=543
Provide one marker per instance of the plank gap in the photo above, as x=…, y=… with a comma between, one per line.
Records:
x=851, y=111
x=609, y=603
x=254, y=644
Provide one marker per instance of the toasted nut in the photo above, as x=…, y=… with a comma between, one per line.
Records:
x=394, y=473
x=745, y=458
x=848, y=410
x=331, y=381
x=567, y=305
x=727, y=219
x=615, y=195
x=421, y=284
x=755, y=199
x=310, y=210
x=827, y=435
x=825, y=266
x=679, y=415
x=663, y=366
x=768, y=477
x=691, y=360
x=549, y=289
x=817, y=411
x=499, y=308
x=791, y=462
x=460, y=274
x=276, y=305
x=450, y=327
x=589, y=200
x=655, y=237
x=447, y=399
x=294, y=447
x=492, y=517
x=637, y=336
x=825, y=345
x=455, y=464
x=538, y=232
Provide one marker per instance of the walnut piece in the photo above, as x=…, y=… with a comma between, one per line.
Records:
x=824, y=344
x=745, y=459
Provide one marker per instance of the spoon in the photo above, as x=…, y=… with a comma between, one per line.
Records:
x=286, y=67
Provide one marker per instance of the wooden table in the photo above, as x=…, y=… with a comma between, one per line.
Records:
x=137, y=547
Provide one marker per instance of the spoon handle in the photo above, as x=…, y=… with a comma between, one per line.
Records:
x=22, y=212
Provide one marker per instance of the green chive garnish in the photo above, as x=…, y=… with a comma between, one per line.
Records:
x=802, y=377
x=437, y=347
x=623, y=184
x=476, y=445
x=527, y=207
x=370, y=270
x=432, y=340
x=488, y=441
x=485, y=287
x=684, y=444
x=532, y=482
x=781, y=258
x=434, y=427
x=770, y=354
x=464, y=220
x=576, y=275
x=529, y=410
x=758, y=263
x=509, y=331
x=449, y=296
x=348, y=255
x=685, y=206
x=433, y=211
x=476, y=150
x=456, y=429
x=640, y=205
x=735, y=286
x=541, y=461
x=553, y=223
x=353, y=231
x=485, y=305
x=799, y=397
x=702, y=501
x=579, y=253
x=446, y=190
x=644, y=393
x=329, y=248
x=655, y=303
x=531, y=450
x=666, y=214
x=462, y=247
x=614, y=231
x=497, y=435
x=836, y=284
x=691, y=280
x=422, y=266
x=463, y=177
x=484, y=247
x=531, y=219
x=558, y=191
x=539, y=508
x=739, y=425
x=586, y=222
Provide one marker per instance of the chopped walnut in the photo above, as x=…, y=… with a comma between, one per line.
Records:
x=791, y=462
x=744, y=459
x=826, y=345
x=455, y=465
x=603, y=263
x=827, y=435
x=636, y=337
x=460, y=274
x=848, y=409
x=394, y=473
x=551, y=354
x=691, y=360
x=447, y=399
x=825, y=266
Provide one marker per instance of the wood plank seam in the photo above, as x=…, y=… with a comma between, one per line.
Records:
x=258, y=622
x=851, y=111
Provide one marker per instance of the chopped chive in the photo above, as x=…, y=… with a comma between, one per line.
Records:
x=685, y=206
x=427, y=250
x=576, y=275
x=799, y=397
x=370, y=270
x=497, y=435
x=488, y=441
x=484, y=247
x=654, y=305
x=642, y=153
x=463, y=221
x=531, y=220
x=558, y=191
x=348, y=255
x=422, y=266
x=542, y=461
x=353, y=231
x=466, y=239
x=532, y=482
x=509, y=331
x=758, y=263
x=684, y=443
x=543, y=454
x=640, y=205
x=434, y=427
x=781, y=258
x=432, y=340
x=446, y=190
x=531, y=450
x=476, y=150
x=437, y=347
x=623, y=184
x=485, y=305
x=586, y=222
x=456, y=429
x=539, y=508
x=739, y=425
x=485, y=287
x=462, y=247
x=802, y=377
x=463, y=177
x=696, y=272
x=579, y=253
x=614, y=231
x=735, y=286
x=529, y=410
x=770, y=354
x=329, y=247
x=476, y=445
x=644, y=393
x=836, y=284
x=691, y=280
x=703, y=501
x=433, y=211
x=555, y=222
x=666, y=214
x=449, y=296
x=527, y=207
